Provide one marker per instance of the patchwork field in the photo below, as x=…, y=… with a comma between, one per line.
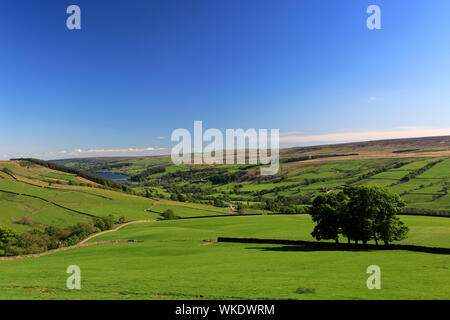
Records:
x=416, y=169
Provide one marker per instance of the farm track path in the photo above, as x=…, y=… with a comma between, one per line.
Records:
x=112, y=230
x=79, y=244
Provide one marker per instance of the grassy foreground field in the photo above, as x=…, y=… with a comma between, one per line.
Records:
x=178, y=260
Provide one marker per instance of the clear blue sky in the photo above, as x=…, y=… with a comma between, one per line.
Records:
x=140, y=69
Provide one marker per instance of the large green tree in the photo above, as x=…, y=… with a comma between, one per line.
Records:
x=360, y=213
x=326, y=212
x=371, y=214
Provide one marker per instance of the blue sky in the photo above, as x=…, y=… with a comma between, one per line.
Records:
x=137, y=70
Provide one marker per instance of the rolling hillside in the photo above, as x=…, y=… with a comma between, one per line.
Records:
x=417, y=169
x=54, y=198
x=168, y=259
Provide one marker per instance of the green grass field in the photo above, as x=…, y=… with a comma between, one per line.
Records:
x=177, y=261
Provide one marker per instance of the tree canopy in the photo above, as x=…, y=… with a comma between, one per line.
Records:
x=359, y=213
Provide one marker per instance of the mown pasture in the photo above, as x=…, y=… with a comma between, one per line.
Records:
x=178, y=260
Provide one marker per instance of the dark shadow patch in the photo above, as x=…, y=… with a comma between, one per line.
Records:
x=317, y=245
x=307, y=248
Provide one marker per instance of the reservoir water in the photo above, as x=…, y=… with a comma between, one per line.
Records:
x=113, y=176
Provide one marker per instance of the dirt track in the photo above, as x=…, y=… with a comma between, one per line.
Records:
x=80, y=244
x=112, y=230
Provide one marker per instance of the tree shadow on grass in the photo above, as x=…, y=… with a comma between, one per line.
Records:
x=298, y=245
x=307, y=248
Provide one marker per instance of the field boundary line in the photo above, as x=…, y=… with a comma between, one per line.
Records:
x=58, y=189
x=48, y=201
x=188, y=207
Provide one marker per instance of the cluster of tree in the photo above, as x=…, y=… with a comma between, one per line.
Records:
x=240, y=208
x=224, y=178
x=26, y=164
x=203, y=175
x=217, y=202
x=193, y=174
x=400, y=164
x=375, y=171
x=93, y=164
x=13, y=243
x=206, y=194
x=304, y=158
x=169, y=214
x=360, y=214
x=84, y=174
x=189, y=188
x=287, y=204
x=152, y=193
x=148, y=172
x=417, y=172
x=178, y=197
x=404, y=150
x=276, y=178
x=308, y=181
x=69, y=182
x=108, y=166
x=7, y=171
x=259, y=193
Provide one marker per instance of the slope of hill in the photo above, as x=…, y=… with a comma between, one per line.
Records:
x=48, y=197
x=418, y=169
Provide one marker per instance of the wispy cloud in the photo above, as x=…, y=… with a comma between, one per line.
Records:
x=79, y=153
x=396, y=133
x=114, y=151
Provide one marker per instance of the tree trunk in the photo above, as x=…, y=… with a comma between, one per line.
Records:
x=337, y=240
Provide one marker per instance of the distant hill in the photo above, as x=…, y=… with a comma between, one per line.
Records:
x=418, y=169
x=427, y=146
